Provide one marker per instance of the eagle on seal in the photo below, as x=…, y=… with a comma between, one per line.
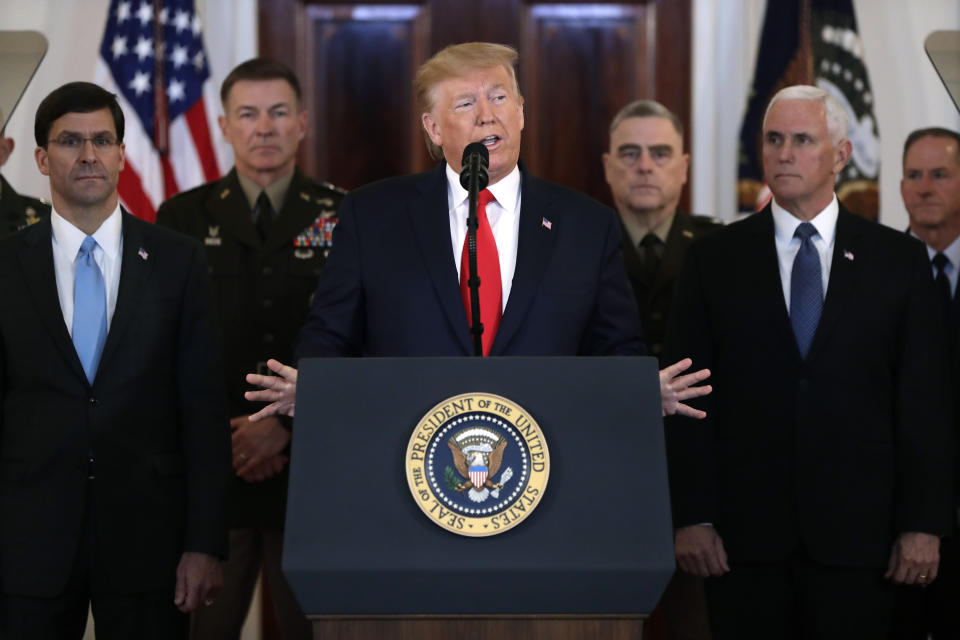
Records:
x=477, y=467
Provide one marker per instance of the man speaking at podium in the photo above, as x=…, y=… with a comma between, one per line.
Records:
x=552, y=276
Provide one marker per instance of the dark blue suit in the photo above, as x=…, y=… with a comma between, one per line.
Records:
x=390, y=287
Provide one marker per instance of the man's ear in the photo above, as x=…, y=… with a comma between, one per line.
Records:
x=6, y=148
x=432, y=127
x=40, y=155
x=844, y=150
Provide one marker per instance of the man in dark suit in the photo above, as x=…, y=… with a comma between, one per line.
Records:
x=931, y=194
x=16, y=211
x=825, y=461
x=114, y=456
x=266, y=229
x=548, y=256
x=646, y=169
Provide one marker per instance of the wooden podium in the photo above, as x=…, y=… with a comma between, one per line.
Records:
x=589, y=562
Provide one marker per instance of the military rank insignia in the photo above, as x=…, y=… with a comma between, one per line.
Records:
x=318, y=234
x=213, y=236
x=477, y=464
x=31, y=216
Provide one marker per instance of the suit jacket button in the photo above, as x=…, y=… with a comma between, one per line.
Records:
x=267, y=270
x=266, y=303
x=94, y=402
x=268, y=338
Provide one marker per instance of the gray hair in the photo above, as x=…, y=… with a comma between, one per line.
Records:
x=833, y=111
x=646, y=109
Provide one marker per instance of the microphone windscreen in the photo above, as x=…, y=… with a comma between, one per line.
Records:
x=479, y=149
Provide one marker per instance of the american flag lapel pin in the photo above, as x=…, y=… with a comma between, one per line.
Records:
x=848, y=255
x=143, y=253
x=546, y=224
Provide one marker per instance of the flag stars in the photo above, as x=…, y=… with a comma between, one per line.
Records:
x=119, y=46
x=164, y=15
x=144, y=14
x=198, y=61
x=195, y=25
x=179, y=57
x=176, y=91
x=181, y=21
x=144, y=48
x=123, y=12
x=140, y=82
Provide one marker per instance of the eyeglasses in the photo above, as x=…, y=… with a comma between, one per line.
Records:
x=76, y=143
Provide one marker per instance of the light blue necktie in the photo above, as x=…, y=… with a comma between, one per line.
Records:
x=89, y=309
x=806, y=288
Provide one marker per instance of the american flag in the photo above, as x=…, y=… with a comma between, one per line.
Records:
x=152, y=57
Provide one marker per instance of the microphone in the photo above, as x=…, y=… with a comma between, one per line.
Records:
x=474, y=178
x=476, y=159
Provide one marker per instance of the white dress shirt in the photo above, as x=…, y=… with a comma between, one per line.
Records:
x=66, y=245
x=784, y=226
x=504, y=217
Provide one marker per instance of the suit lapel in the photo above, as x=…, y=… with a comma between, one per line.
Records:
x=770, y=300
x=678, y=241
x=229, y=207
x=842, y=279
x=631, y=257
x=36, y=258
x=136, y=264
x=535, y=244
x=430, y=217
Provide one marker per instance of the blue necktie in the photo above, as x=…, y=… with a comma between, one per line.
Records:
x=806, y=289
x=89, y=309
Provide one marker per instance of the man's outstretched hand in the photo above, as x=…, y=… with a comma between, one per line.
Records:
x=675, y=388
x=279, y=390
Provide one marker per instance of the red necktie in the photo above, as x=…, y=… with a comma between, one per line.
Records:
x=488, y=268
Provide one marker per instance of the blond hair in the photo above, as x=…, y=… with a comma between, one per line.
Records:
x=453, y=62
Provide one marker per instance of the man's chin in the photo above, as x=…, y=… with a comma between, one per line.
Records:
x=646, y=206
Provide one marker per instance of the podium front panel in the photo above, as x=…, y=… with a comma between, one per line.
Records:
x=600, y=541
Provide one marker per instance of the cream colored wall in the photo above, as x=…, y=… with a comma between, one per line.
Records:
x=908, y=93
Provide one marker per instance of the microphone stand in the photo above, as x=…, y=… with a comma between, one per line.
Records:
x=473, y=282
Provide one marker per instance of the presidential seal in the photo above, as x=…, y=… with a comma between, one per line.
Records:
x=477, y=464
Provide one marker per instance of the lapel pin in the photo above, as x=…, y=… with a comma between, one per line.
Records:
x=224, y=193
x=142, y=253
x=687, y=233
x=546, y=224
x=848, y=255
x=305, y=196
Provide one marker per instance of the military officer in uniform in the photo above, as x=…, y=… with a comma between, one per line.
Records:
x=646, y=169
x=16, y=211
x=266, y=228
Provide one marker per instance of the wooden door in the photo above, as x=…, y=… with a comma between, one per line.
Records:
x=580, y=62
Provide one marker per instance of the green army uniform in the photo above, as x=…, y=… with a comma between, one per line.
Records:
x=18, y=211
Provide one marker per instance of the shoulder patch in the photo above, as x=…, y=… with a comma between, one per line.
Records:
x=333, y=187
